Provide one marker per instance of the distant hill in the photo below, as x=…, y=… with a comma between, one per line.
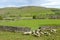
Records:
x=27, y=11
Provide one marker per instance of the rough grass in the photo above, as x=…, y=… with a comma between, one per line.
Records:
x=19, y=36
x=34, y=24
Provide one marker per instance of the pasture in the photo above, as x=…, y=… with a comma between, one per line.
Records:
x=34, y=24
x=30, y=23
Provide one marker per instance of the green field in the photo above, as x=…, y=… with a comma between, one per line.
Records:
x=34, y=24
x=30, y=23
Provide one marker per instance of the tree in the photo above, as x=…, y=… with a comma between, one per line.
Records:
x=34, y=17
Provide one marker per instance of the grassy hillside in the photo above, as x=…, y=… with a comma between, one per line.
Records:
x=26, y=11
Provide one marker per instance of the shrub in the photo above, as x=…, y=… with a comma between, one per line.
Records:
x=1, y=18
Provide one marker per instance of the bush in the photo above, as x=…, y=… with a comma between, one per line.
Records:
x=1, y=18
x=34, y=17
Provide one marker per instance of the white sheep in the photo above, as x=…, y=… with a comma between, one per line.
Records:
x=36, y=33
x=27, y=33
x=47, y=33
x=42, y=33
x=53, y=30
